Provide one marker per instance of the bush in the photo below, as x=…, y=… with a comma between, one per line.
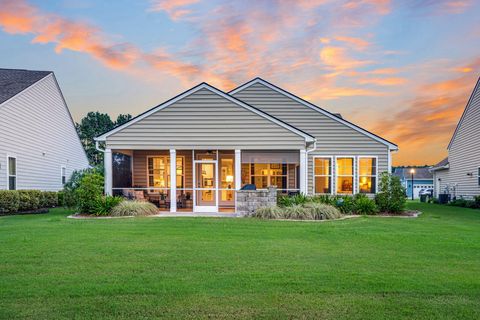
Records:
x=134, y=208
x=307, y=211
x=88, y=192
x=272, y=212
x=49, y=199
x=391, y=197
x=69, y=198
x=288, y=201
x=326, y=199
x=29, y=200
x=9, y=201
x=105, y=204
x=346, y=204
x=323, y=211
x=365, y=205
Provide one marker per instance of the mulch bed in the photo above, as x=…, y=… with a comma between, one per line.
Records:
x=19, y=213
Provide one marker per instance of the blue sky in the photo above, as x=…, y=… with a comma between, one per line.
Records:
x=403, y=69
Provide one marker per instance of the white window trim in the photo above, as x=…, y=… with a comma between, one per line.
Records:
x=8, y=172
x=332, y=174
x=269, y=181
x=376, y=172
x=166, y=188
x=61, y=175
x=353, y=174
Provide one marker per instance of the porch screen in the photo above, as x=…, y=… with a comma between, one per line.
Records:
x=287, y=157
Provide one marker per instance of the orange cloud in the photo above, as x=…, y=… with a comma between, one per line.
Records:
x=358, y=43
x=392, y=81
x=380, y=6
x=337, y=58
x=429, y=119
x=174, y=8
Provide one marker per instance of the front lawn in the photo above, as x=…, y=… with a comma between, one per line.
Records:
x=365, y=268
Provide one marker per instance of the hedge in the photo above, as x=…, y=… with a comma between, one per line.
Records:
x=13, y=201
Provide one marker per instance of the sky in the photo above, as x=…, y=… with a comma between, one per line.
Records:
x=401, y=69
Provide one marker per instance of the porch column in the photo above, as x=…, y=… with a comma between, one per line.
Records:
x=173, y=180
x=303, y=172
x=108, y=171
x=238, y=169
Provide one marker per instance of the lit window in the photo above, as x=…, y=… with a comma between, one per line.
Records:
x=345, y=175
x=367, y=175
x=263, y=175
x=323, y=175
x=159, y=172
x=64, y=175
x=12, y=173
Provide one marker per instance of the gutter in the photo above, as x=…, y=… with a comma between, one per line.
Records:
x=98, y=147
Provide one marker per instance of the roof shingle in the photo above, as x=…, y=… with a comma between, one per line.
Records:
x=14, y=81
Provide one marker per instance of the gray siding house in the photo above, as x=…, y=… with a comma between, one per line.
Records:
x=39, y=146
x=257, y=134
x=459, y=173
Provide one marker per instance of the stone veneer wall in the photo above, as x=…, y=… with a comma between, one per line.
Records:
x=247, y=201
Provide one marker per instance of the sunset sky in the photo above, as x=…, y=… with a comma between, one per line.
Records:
x=402, y=69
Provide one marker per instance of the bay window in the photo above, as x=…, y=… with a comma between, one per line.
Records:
x=322, y=175
x=345, y=175
x=367, y=174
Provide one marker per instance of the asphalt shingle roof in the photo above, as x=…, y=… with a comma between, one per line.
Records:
x=14, y=81
x=420, y=173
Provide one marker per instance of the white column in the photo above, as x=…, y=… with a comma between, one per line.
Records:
x=173, y=180
x=238, y=169
x=107, y=162
x=303, y=171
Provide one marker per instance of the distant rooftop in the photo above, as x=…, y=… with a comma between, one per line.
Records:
x=420, y=173
x=14, y=81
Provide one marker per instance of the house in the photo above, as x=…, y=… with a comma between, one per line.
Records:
x=255, y=134
x=422, y=180
x=39, y=146
x=459, y=174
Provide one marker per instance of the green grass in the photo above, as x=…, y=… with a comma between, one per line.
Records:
x=366, y=268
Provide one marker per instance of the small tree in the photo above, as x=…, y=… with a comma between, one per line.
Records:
x=88, y=192
x=391, y=197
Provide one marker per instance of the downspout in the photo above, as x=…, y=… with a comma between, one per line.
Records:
x=307, y=152
x=98, y=147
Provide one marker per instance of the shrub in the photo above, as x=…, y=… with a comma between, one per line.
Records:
x=134, y=208
x=365, y=205
x=391, y=197
x=346, y=204
x=29, y=200
x=326, y=199
x=272, y=212
x=69, y=198
x=105, y=204
x=322, y=211
x=476, y=199
x=88, y=192
x=298, y=212
x=49, y=199
x=288, y=201
x=9, y=201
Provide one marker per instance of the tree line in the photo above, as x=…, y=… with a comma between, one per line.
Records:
x=93, y=125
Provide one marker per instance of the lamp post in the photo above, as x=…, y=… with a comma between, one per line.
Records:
x=412, y=171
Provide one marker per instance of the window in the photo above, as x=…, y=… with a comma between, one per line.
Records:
x=478, y=175
x=367, y=174
x=12, y=173
x=345, y=175
x=322, y=175
x=64, y=175
x=263, y=175
x=159, y=172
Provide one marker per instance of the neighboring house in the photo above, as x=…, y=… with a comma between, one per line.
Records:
x=39, y=146
x=422, y=180
x=459, y=173
x=256, y=134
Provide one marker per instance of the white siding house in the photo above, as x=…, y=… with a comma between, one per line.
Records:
x=39, y=146
x=459, y=174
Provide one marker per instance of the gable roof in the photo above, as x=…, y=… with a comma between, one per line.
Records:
x=203, y=85
x=475, y=90
x=330, y=115
x=14, y=81
x=444, y=164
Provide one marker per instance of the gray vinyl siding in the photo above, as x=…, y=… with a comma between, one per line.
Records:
x=464, y=152
x=36, y=128
x=440, y=181
x=333, y=137
x=205, y=120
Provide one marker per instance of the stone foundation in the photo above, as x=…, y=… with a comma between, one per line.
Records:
x=247, y=201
